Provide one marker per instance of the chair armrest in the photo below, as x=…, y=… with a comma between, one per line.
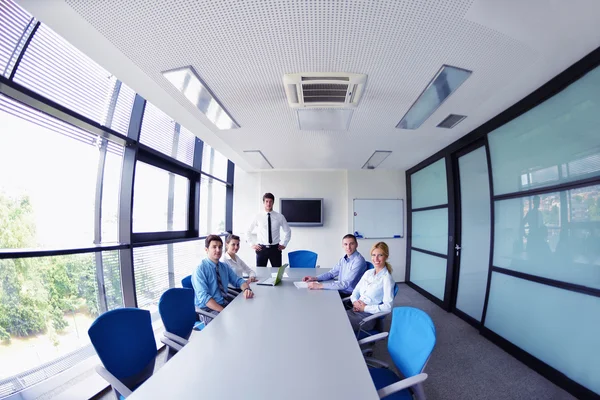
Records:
x=403, y=384
x=346, y=298
x=174, y=345
x=113, y=381
x=231, y=292
x=175, y=338
x=206, y=314
x=376, y=363
x=374, y=316
x=374, y=338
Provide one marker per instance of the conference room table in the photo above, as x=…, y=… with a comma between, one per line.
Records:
x=285, y=343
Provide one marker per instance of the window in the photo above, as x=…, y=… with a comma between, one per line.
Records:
x=160, y=200
x=212, y=206
x=14, y=22
x=160, y=132
x=58, y=71
x=158, y=268
x=214, y=163
x=47, y=305
x=54, y=169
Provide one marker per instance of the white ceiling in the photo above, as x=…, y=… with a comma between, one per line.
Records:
x=242, y=49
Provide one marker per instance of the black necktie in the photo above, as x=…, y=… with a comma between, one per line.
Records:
x=269, y=227
x=221, y=288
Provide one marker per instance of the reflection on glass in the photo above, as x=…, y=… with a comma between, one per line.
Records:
x=187, y=81
x=430, y=230
x=428, y=272
x=152, y=211
x=555, y=142
x=554, y=235
x=445, y=82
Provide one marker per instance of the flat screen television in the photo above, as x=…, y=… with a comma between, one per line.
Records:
x=303, y=212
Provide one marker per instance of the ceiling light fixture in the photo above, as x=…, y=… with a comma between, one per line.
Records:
x=187, y=81
x=376, y=159
x=444, y=83
x=256, y=157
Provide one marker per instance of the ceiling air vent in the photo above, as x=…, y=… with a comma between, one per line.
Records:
x=324, y=89
x=451, y=121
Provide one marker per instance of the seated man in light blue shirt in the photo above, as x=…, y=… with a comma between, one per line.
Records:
x=211, y=278
x=348, y=270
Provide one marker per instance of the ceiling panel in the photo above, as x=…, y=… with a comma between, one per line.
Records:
x=242, y=49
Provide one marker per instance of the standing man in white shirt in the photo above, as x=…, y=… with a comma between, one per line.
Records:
x=269, y=244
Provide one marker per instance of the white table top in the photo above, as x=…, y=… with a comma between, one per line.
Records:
x=285, y=343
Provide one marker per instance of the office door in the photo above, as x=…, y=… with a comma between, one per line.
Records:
x=472, y=232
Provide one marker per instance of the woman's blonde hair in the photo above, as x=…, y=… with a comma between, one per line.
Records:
x=386, y=252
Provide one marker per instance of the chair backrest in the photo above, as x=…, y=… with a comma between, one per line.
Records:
x=302, y=259
x=187, y=282
x=176, y=308
x=411, y=340
x=395, y=290
x=124, y=341
x=370, y=266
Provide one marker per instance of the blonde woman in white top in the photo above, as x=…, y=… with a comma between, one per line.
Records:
x=231, y=258
x=375, y=291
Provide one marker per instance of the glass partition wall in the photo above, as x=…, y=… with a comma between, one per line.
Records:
x=504, y=229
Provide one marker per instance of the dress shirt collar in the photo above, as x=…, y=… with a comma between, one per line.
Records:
x=351, y=256
x=227, y=257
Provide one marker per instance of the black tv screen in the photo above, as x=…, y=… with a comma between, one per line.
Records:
x=303, y=212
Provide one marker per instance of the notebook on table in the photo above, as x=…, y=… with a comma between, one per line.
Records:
x=274, y=281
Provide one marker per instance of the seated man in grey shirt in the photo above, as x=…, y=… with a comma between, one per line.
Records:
x=348, y=271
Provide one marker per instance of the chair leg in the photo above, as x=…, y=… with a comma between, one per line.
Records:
x=418, y=391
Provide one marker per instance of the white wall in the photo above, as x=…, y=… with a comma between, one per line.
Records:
x=338, y=189
x=380, y=184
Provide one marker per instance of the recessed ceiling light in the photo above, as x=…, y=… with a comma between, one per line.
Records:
x=324, y=119
x=256, y=157
x=187, y=81
x=376, y=159
x=445, y=82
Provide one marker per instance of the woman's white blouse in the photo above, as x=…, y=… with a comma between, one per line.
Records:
x=375, y=290
x=238, y=265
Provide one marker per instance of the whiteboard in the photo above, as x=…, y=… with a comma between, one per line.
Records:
x=378, y=218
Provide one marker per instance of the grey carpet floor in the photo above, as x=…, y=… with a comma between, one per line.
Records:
x=465, y=365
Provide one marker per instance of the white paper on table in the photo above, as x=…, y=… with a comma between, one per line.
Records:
x=274, y=275
x=301, y=285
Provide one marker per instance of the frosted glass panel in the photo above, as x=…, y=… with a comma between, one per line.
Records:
x=430, y=230
x=555, y=142
x=428, y=186
x=475, y=232
x=554, y=235
x=428, y=272
x=560, y=327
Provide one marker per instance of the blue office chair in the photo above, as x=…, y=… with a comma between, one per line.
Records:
x=370, y=266
x=363, y=333
x=124, y=341
x=302, y=259
x=410, y=343
x=176, y=308
x=187, y=283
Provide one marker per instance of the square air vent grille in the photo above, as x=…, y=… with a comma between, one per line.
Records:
x=451, y=121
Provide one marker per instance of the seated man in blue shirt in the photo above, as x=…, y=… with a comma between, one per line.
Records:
x=211, y=278
x=348, y=270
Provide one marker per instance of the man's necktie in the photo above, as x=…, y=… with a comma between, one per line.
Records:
x=269, y=227
x=221, y=288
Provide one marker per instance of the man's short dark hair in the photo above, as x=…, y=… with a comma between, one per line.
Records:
x=231, y=237
x=212, y=238
x=269, y=196
x=350, y=236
